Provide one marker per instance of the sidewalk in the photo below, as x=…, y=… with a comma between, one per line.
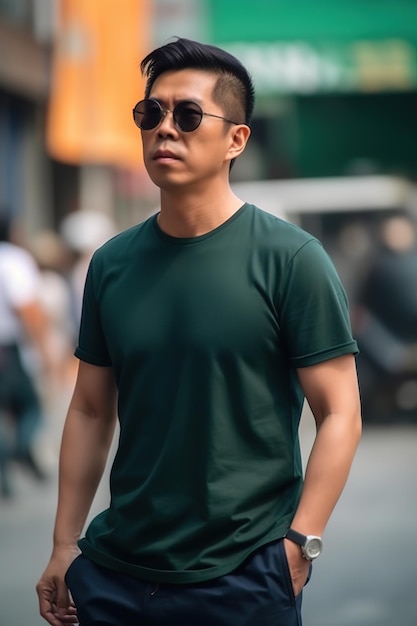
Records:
x=26, y=526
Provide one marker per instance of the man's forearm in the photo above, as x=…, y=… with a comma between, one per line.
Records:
x=84, y=450
x=327, y=471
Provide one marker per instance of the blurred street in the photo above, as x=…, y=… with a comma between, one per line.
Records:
x=365, y=577
x=367, y=574
x=331, y=151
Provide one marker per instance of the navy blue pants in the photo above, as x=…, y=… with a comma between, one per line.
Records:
x=257, y=593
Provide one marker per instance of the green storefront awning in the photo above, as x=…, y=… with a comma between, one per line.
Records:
x=305, y=67
x=303, y=47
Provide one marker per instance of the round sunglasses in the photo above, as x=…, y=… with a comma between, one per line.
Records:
x=187, y=115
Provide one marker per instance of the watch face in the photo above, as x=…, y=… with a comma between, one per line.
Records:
x=313, y=547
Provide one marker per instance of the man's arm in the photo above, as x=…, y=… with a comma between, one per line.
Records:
x=86, y=439
x=331, y=389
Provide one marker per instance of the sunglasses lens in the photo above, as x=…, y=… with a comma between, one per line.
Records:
x=188, y=116
x=147, y=114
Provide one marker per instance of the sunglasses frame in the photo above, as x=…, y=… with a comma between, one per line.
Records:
x=163, y=112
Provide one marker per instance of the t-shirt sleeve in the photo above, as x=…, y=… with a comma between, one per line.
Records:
x=313, y=309
x=92, y=346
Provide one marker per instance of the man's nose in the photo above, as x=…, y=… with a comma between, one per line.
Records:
x=167, y=125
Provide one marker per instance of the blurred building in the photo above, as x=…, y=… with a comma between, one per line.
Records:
x=69, y=78
x=25, y=32
x=336, y=90
x=336, y=81
x=95, y=82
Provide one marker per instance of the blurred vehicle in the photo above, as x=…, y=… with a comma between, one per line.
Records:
x=366, y=224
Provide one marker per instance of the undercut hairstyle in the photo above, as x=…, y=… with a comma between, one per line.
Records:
x=233, y=91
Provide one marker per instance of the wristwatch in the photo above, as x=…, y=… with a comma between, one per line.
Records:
x=311, y=545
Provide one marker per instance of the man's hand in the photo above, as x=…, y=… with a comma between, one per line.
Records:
x=55, y=604
x=299, y=566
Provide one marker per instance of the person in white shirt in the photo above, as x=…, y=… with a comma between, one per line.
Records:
x=22, y=325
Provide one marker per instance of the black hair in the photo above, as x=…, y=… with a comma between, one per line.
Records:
x=234, y=89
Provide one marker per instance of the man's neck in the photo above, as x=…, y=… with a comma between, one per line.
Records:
x=189, y=215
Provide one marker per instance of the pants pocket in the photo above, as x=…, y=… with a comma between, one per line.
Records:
x=70, y=569
x=286, y=569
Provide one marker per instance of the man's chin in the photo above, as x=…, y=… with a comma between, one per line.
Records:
x=167, y=181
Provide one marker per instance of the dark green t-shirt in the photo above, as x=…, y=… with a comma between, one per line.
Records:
x=205, y=335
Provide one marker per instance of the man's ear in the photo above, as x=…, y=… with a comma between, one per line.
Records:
x=238, y=139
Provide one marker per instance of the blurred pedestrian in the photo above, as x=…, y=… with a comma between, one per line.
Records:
x=389, y=288
x=206, y=324
x=55, y=296
x=385, y=321
x=54, y=260
x=83, y=231
x=22, y=332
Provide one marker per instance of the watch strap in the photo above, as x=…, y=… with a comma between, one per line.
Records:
x=296, y=537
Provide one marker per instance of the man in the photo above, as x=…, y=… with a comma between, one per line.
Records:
x=207, y=324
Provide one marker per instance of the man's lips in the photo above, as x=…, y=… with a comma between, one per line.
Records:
x=165, y=154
